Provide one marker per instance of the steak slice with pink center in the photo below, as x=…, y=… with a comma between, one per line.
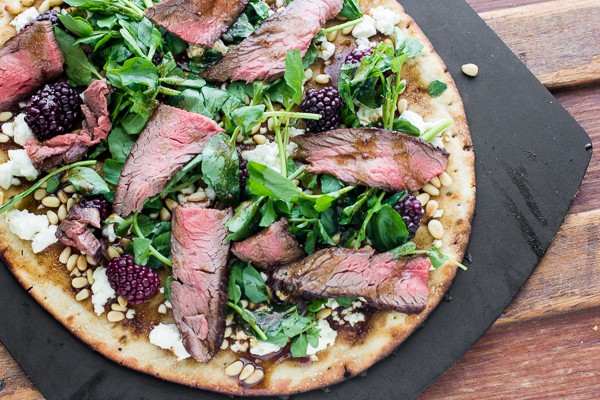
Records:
x=372, y=157
x=27, y=61
x=261, y=56
x=199, y=252
x=385, y=283
x=170, y=140
x=196, y=21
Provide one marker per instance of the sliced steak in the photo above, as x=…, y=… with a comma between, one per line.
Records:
x=261, y=56
x=197, y=21
x=68, y=148
x=170, y=140
x=272, y=246
x=75, y=231
x=27, y=61
x=385, y=283
x=199, y=289
x=372, y=157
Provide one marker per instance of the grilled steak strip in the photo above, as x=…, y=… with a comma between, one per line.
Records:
x=261, y=56
x=372, y=157
x=196, y=21
x=170, y=140
x=75, y=231
x=27, y=61
x=385, y=283
x=199, y=289
x=272, y=246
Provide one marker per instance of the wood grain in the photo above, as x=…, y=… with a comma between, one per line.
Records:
x=489, y=5
x=550, y=358
x=557, y=40
x=16, y=384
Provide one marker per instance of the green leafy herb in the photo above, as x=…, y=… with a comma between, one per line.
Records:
x=254, y=15
x=87, y=181
x=387, y=230
x=435, y=255
x=220, y=169
x=79, y=69
x=244, y=220
x=436, y=88
x=152, y=228
x=351, y=10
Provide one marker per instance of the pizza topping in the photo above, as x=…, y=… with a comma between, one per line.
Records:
x=356, y=56
x=50, y=15
x=100, y=203
x=101, y=290
x=75, y=231
x=168, y=337
x=25, y=18
x=18, y=166
x=325, y=102
x=411, y=211
x=136, y=283
x=36, y=228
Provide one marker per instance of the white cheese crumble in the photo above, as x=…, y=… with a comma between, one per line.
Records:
x=168, y=337
x=365, y=29
x=354, y=318
x=385, y=20
x=21, y=131
x=326, y=50
x=267, y=154
x=108, y=231
x=28, y=226
x=296, y=131
x=418, y=121
x=101, y=290
x=327, y=338
x=332, y=303
x=18, y=165
x=24, y=18
x=364, y=43
x=263, y=348
x=366, y=115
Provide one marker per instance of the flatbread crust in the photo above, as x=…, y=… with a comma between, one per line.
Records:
x=46, y=279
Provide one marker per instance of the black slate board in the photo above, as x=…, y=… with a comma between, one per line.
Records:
x=531, y=157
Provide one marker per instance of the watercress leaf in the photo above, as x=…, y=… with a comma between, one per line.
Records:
x=294, y=75
x=254, y=286
x=52, y=184
x=316, y=305
x=220, y=169
x=135, y=122
x=120, y=144
x=190, y=166
x=345, y=301
x=141, y=250
x=77, y=25
x=122, y=226
x=395, y=198
x=235, y=281
x=351, y=10
x=210, y=57
x=112, y=170
x=168, y=287
x=79, y=69
x=324, y=234
x=299, y=346
x=436, y=88
x=312, y=337
x=437, y=258
x=330, y=183
x=248, y=117
x=269, y=215
x=397, y=63
x=325, y=201
x=264, y=181
x=403, y=125
x=310, y=242
x=278, y=339
x=386, y=229
x=406, y=249
x=244, y=220
x=310, y=56
x=135, y=71
x=407, y=45
x=87, y=181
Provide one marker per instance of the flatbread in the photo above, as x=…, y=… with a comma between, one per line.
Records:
x=127, y=343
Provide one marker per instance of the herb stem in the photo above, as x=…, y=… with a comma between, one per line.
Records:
x=297, y=172
x=168, y=91
x=435, y=130
x=179, y=81
x=363, y=228
x=289, y=114
x=148, y=3
x=341, y=26
x=252, y=324
x=155, y=253
x=39, y=183
x=133, y=8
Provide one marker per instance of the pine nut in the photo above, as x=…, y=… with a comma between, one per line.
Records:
x=402, y=105
x=82, y=295
x=4, y=138
x=436, y=229
x=64, y=255
x=62, y=212
x=82, y=264
x=239, y=138
x=323, y=79
x=5, y=116
x=117, y=307
x=90, y=276
x=431, y=207
x=324, y=313
x=270, y=124
x=438, y=243
x=112, y=252
x=79, y=282
x=70, y=203
x=54, y=3
x=234, y=368
x=229, y=320
x=224, y=344
x=52, y=217
x=122, y=301
x=62, y=196
x=445, y=179
x=348, y=30
x=70, y=189
x=75, y=272
x=423, y=198
x=256, y=129
x=45, y=6
x=39, y=194
x=72, y=261
x=308, y=74
x=91, y=261
x=471, y=70
x=171, y=204
x=256, y=377
x=259, y=139
x=435, y=181
x=228, y=332
x=198, y=196
x=115, y=316
x=162, y=309
x=432, y=190
x=246, y=372
x=13, y=8
x=244, y=303
x=51, y=202
x=165, y=215
x=331, y=36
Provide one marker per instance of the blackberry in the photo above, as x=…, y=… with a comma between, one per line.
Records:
x=103, y=206
x=326, y=102
x=244, y=174
x=411, y=211
x=136, y=283
x=357, y=55
x=53, y=110
x=50, y=15
x=157, y=59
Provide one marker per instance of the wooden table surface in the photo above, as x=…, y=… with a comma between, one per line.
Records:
x=547, y=342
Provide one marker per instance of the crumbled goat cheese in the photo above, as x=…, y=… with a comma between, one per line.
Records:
x=130, y=313
x=279, y=3
x=267, y=154
x=385, y=20
x=332, y=303
x=239, y=347
x=364, y=43
x=24, y=18
x=168, y=337
x=194, y=50
x=416, y=120
x=220, y=47
x=354, y=318
x=327, y=338
x=296, y=132
x=108, y=231
x=366, y=115
x=21, y=131
x=438, y=214
x=264, y=348
x=210, y=193
x=18, y=165
x=365, y=29
x=101, y=290
x=326, y=50
x=28, y=226
x=7, y=129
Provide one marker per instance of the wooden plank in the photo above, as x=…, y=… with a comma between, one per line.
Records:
x=489, y=5
x=555, y=358
x=16, y=384
x=557, y=40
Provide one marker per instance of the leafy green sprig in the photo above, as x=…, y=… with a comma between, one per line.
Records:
x=435, y=255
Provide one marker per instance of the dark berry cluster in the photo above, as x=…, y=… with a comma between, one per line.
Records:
x=53, y=110
x=136, y=283
x=356, y=56
x=327, y=102
x=103, y=206
x=244, y=174
x=411, y=211
x=50, y=15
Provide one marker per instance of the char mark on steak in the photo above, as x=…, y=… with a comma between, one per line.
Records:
x=68, y=148
x=200, y=22
x=199, y=252
x=75, y=231
x=372, y=157
x=272, y=246
x=170, y=140
x=385, y=282
x=27, y=61
x=261, y=56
